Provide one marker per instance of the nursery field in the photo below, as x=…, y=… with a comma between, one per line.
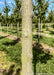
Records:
x=26, y=37
x=10, y=52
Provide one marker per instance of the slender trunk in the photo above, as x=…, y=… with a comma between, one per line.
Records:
x=27, y=37
x=41, y=25
x=39, y=32
x=7, y=28
x=17, y=29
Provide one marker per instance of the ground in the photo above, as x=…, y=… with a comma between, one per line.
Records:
x=10, y=51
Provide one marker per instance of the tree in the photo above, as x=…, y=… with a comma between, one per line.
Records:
x=17, y=14
x=11, y=20
x=6, y=11
x=40, y=8
x=50, y=16
x=27, y=37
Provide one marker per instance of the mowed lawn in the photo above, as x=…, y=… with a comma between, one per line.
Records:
x=11, y=31
x=10, y=50
x=46, y=40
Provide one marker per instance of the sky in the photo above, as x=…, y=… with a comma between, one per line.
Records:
x=2, y=5
x=9, y=2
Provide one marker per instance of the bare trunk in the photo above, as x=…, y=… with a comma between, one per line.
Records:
x=17, y=29
x=39, y=32
x=27, y=37
x=7, y=28
x=41, y=26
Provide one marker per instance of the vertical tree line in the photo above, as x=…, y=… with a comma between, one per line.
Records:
x=27, y=55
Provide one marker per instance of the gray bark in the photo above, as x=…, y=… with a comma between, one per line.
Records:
x=27, y=37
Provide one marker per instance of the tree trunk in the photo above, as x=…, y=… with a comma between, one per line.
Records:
x=39, y=32
x=7, y=28
x=41, y=25
x=17, y=29
x=27, y=37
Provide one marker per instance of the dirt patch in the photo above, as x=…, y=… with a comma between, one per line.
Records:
x=48, y=48
x=44, y=47
x=43, y=34
x=12, y=37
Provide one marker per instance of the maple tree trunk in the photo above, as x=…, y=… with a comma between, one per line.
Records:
x=27, y=37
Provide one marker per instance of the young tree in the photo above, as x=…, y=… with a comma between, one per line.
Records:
x=27, y=37
x=6, y=11
x=17, y=14
x=50, y=16
x=11, y=21
x=40, y=7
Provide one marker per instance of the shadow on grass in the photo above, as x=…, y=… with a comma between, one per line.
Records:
x=18, y=71
x=1, y=37
x=11, y=71
x=36, y=36
x=11, y=43
x=40, y=55
x=4, y=30
x=52, y=32
x=13, y=32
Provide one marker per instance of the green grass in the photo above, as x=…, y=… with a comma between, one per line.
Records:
x=46, y=40
x=42, y=62
x=12, y=31
x=49, y=32
x=11, y=48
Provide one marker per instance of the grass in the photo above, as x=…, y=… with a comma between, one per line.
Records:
x=46, y=40
x=49, y=32
x=11, y=52
x=10, y=55
x=11, y=48
x=12, y=31
x=42, y=62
